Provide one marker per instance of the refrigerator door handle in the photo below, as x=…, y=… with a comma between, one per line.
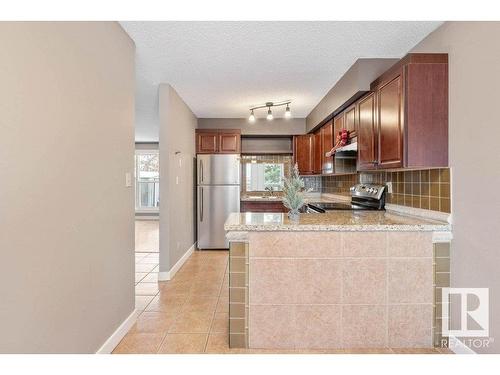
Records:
x=201, y=170
x=201, y=204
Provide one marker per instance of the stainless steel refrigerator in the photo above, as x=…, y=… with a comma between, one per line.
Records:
x=218, y=194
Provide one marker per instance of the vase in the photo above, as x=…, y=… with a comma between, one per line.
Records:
x=294, y=216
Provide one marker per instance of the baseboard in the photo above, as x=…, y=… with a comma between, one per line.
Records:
x=118, y=335
x=165, y=276
x=458, y=347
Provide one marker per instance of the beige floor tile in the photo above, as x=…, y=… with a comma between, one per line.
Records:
x=142, y=301
x=200, y=303
x=202, y=289
x=218, y=343
x=148, y=260
x=153, y=322
x=368, y=351
x=147, y=235
x=183, y=344
x=166, y=306
x=415, y=351
x=146, y=289
x=139, y=343
x=220, y=323
x=222, y=306
x=151, y=277
x=139, y=276
x=192, y=322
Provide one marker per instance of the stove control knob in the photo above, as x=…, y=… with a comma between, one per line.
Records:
x=375, y=191
x=370, y=190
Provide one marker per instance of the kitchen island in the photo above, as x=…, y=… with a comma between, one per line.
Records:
x=342, y=279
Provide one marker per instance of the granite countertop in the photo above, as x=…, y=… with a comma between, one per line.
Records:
x=312, y=198
x=333, y=221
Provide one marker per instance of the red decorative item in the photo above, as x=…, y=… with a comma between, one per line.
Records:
x=340, y=141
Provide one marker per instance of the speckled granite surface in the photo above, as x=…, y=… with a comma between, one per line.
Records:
x=333, y=221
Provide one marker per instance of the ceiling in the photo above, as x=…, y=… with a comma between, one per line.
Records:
x=220, y=69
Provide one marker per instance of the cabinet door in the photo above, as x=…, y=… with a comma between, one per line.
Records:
x=207, y=143
x=229, y=143
x=350, y=121
x=390, y=124
x=303, y=153
x=318, y=161
x=326, y=145
x=367, y=133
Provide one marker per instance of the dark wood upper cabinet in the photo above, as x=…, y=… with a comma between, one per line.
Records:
x=318, y=150
x=229, y=143
x=207, y=143
x=303, y=146
x=390, y=124
x=327, y=139
x=350, y=120
x=367, y=133
x=412, y=113
x=214, y=141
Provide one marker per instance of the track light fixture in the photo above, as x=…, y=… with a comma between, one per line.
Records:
x=268, y=105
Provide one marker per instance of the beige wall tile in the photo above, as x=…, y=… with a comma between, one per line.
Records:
x=364, y=281
x=316, y=281
x=364, y=326
x=359, y=244
x=409, y=244
x=270, y=281
x=267, y=332
x=318, y=327
x=410, y=280
x=409, y=326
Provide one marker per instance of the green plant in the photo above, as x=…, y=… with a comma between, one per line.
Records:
x=294, y=192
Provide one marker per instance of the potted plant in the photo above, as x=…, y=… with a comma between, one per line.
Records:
x=294, y=193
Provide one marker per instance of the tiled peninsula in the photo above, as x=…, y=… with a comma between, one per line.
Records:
x=341, y=279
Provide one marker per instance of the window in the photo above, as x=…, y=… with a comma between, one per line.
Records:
x=260, y=176
x=147, y=173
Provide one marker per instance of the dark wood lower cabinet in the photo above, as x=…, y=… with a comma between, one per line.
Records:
x=266, y=206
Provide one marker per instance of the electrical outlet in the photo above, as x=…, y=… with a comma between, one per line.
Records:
x=389, y=187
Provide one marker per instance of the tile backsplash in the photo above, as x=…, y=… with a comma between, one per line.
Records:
x=428, y=189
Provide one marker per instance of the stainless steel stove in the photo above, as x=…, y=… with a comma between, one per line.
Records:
x=363, y=197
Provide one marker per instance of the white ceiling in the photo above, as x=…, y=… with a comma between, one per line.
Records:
x=220, y=69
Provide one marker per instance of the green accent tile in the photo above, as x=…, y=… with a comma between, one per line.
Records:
x=236, y=310
x=444, y=205
x=237, y=249
x=444, y=190
x=434, y=175
x=444, y=175
x=237, y=265
x=237, y=280
x=443, y=279
x=237, y=325
x=237, y=295
x=434, y=204
x=434, y=190
x=424, y=176
x=442, y=249
x=237, y=340
x=442, y=264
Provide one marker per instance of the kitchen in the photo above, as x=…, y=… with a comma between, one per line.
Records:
x=378, y=188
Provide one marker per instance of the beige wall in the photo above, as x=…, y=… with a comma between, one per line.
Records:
x=66, y=217
x=474, y=76
x=177, y=160
x=357, y=78
x=278, y=126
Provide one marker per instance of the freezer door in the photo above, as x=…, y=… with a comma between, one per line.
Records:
x=214, y=169
x=215, y=203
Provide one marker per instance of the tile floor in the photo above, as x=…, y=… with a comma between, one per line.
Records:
x=147, y=236
x=189, y=314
